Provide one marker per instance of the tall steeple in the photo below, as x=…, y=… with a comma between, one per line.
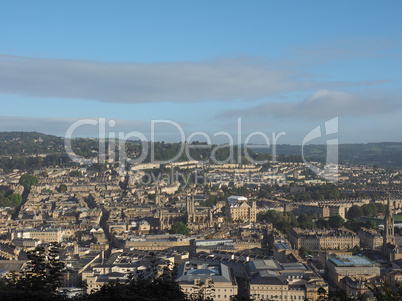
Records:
x=389, y=237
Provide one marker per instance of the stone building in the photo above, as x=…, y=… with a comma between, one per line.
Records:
x=44, y=235
x=215, y=279
x=242, y=211
x=371, y=239
x=159, y=242
x=196, y=217
x=271, y=280
x=354, y=267
x=342, y=239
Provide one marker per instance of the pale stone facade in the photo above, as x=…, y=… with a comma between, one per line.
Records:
x=243, y=211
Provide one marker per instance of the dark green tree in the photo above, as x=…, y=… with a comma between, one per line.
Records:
x=356, y=250
x=180, y=228
x=336, y=221
x=40, y=280
x=355, y=212
x=304, y=251
x=28, y=181
x=13, y=200
x=322, y=223
x=62, y=188
x=154, y=288
x=75, y=173
x=305, y=221
x=322, y=294
x=384, y=292
x=371, y=224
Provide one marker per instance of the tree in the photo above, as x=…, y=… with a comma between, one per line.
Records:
x=304, y=218
x=41, y=279
x=180, y=228
x=162, y=288
x=321, y=293
x=28, y=181
x=303, y=251
x=203, y=291
x=284, y=222
x=322, y=223
x=13, y=200
x=97, y=167
x=62, y=188
x=356, y=250
x=371, y=224
x=373, y=209
x=336, y=221
x=355, y=212
x=75, y=173
x=209, y=236
x=54, y=266
x=305, y=221
x=384, y=292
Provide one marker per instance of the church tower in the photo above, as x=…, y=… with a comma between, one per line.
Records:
x=157, y=195
x=210, y=218
x=190, y=208
x=160, y=220
x=389, y=237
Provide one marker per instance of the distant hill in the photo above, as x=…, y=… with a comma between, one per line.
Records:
x=29, y=144
x=384, y=154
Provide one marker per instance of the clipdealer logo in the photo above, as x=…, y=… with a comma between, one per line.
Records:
x=329, y=172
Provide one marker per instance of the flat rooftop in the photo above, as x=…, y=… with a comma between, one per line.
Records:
x=190, y=270
x=281, y=246
x=351, y=261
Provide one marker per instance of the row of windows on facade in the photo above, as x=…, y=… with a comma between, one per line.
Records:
x=299, y=297
x=196, y=289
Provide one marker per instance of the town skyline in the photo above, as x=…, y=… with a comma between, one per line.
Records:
x=201, y=150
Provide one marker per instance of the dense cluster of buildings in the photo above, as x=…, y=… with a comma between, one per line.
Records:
x=111, y=227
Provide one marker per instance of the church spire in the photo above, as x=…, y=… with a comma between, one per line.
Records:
x=389, y=237
x=389, y=208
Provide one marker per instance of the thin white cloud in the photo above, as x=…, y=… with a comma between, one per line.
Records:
x=323, y=104
x=344, y=49
x=219, y=79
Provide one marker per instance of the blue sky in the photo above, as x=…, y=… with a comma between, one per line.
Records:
x=278, y=66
